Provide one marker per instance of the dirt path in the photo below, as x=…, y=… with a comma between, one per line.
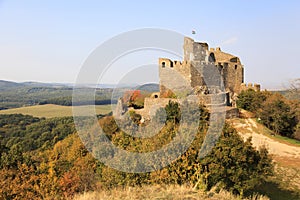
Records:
x=249, y=129
x=286, y=157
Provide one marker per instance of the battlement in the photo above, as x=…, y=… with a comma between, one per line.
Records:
x=255, y=87
x=209, y=74
x=174, y=74
x=165, y=62
x=199, y=61
x=194, y=51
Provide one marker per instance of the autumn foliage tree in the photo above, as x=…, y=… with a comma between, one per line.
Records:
x=277, y=115
x=135, y=98
x=251, y=100
x=63, y=167
x=232, y=164
x=235, y=165
x=275, y=111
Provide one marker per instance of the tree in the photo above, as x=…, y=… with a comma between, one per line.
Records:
x=275, y=111
x=294, y=89
x=21, y=182
x=135, y=98
x=232, y=164
x=108, y=125
x=277, y=115
x=12, y=158
x=136, y=118
x=173, y=112
x=235, y=165
x=251, y=100
x=168, y=94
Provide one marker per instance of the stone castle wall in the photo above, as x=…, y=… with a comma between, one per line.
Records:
x=231, y=69
x=201, y=67
x=174, y=75
x=255, y=87
x=152, y=104
x=233, y=76
x=210, y=77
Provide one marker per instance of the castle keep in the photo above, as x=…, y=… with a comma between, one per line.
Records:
x=210, y=75
x=203, y=71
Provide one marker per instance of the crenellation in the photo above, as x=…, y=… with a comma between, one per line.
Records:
x=205, y=66
x=255, y=86
x=207, y=73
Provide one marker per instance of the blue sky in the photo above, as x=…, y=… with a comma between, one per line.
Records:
x=48, y=41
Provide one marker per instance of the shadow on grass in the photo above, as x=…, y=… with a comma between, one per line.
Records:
x=275, y=192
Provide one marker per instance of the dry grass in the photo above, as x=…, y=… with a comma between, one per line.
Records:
x=161, y=192
x=285, y=184
x=288, y=173
x=243, y=127
x=51, y=110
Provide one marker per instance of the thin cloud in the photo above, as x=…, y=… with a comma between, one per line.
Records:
x=230, y=41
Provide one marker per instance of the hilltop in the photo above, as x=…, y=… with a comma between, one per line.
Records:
x=5, y=85
x=15, y=95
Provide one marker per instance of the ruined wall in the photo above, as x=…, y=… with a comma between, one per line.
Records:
x=214, y=99
x=203, y=71
x=231, y=70
x=197, y=75
x=233, y=76
x=174, y=75
x=255, y=87
x=194, y=50
x=214, y=69
x=152, y=104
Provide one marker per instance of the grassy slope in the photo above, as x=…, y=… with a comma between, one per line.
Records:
x=285, y=184
x=50, y=110
x=278, y=188
x=160, y=192
x=261, y=129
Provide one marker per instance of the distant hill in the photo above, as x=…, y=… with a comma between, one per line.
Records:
x=39, y=84
x=150, y=87
x=14, y=95
x=289, y=94
x=4, y=85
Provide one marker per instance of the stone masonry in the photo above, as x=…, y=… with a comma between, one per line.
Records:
x=212, y=75
x=202, y=68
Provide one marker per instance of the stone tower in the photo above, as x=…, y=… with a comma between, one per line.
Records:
x=201, y=72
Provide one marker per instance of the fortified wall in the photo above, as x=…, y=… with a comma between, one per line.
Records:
x=213, y=76
x=255, y=86
x=202, y=71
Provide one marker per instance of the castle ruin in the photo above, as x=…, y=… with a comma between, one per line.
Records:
x=213, y=76
x=205, y=71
